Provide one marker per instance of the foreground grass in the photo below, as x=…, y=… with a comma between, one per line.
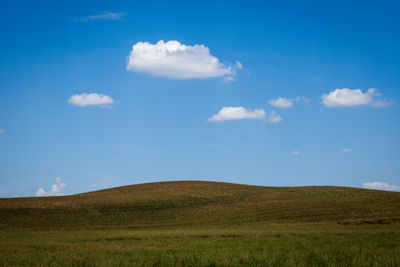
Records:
x=275, y=245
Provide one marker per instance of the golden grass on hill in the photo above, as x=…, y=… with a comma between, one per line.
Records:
x=197, y=204
x=192, y=223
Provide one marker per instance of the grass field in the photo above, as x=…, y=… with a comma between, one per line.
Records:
x=203, y=224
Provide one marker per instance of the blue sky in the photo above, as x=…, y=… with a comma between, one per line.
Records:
x=276, y=93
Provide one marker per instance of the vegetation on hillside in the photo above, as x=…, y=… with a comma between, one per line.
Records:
x=195, y=203
x=192, y=223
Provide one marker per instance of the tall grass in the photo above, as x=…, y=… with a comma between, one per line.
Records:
x=306, y=245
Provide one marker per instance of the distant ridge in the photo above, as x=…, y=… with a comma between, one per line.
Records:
x=178, y=204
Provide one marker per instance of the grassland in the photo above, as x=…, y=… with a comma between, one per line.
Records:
x=203, y=224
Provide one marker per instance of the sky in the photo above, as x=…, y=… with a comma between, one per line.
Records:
x=98, y=94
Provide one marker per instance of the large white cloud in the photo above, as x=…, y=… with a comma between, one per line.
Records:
x=381, y=186
x=175, y=60
x=237, y=113
x=353, y=97
x=84, y=99
x=56, y=189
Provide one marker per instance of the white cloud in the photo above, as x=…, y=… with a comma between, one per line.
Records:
x=353, y=97
x=1, y=131
x=103, y=16
x=84, y=99
x=40, y=192
x=295, y=152
x=345, y=150
x=283, y=102
x=178, y=61
x=381, y=186
x=237, y=113
x=273, y=117
x=56, y=189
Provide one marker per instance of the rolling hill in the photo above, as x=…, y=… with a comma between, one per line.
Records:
x=183, y=204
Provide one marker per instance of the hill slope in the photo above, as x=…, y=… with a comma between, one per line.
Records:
x=200, y=204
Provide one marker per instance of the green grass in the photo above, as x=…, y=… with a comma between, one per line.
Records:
x=203, y=224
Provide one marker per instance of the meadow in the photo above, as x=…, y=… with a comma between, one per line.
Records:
x=195, y=223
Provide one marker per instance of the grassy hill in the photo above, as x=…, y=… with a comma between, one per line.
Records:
x=200, y=204
x=193, y=223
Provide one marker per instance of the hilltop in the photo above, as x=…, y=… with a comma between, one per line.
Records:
x=200, y=204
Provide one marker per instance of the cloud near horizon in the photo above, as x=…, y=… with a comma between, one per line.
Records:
x=102, y=16
x=56, y=189
x=353, y=97
x=178, y=61
x=85, y=99
x=381, y=186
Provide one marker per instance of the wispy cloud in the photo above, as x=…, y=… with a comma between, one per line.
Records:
x=381, y=186
x=353, y=97
x=56, y=189
x=345, y=150
x=1, y=130
x=239, y=65
x=179, y=61
x=103, y=16
x=295, y=152
x=273, y=117
x=85, y=99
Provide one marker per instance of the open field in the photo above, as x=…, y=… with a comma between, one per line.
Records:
x=203, y=224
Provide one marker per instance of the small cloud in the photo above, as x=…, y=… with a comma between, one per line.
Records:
x=229, y=79
x=381, y=186
x=1, y=131
x=103, y=16
x=295, y=152
x=284, y=102
x=178, y=61
x=56, y=189
x=239, y=65
x=84, y=99
x=237, y=113
x=345, y=150
x=353, y=97
x=273, y=117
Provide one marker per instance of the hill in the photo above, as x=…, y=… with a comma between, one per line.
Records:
x=200, y=204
